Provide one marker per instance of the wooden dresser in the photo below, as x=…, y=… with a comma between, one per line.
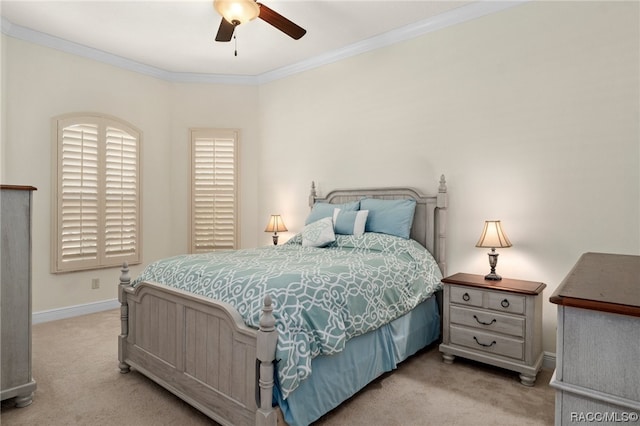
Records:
x=495, y=322
x=15, y=342
x=597, y=377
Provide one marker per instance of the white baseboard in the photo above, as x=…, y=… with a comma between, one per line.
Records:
x=74, y=311
x=549, y=360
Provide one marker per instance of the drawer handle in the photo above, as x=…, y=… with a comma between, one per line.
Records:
x=504, y=303
x=484, y=323
x=466, y=297
x=484, y=344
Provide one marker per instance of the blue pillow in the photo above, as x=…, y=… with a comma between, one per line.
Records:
x=322, y=210
x=349, y=222
x=393, y=217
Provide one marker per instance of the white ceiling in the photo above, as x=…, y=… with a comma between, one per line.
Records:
x=178, y=36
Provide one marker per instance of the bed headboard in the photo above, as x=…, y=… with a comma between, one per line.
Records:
x=429, y=220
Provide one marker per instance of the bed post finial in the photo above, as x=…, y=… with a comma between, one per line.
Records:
x=312, y=194
x=441, y=201
x=266, y=354
x=443, y=184
x=125, y=278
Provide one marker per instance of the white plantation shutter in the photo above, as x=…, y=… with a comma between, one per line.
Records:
x=79, y=194
x=213, y=189
x=96, y=205
x=121, y=193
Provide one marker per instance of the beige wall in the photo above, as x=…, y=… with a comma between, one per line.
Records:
x=214, y=106
x=42, y=83
x=531, y=113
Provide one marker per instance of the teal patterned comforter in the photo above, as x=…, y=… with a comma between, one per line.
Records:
x=322, y=296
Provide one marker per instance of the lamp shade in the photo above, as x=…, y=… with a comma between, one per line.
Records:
x=237, y=11
x=493, y=236
x=275, y=224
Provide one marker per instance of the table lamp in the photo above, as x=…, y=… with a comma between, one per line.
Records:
x=275, y=225
x=492, y=237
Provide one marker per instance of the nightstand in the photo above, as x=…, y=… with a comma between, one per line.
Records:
x=494, y=322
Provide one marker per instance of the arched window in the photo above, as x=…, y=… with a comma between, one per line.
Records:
x=96, y=220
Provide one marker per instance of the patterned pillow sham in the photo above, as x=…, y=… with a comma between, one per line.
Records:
x=318, y=233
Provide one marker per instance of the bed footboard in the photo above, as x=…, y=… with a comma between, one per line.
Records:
x=200, y=350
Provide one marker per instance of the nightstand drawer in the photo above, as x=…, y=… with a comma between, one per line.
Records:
x=505, y=302
x=466, y=296
x=487, y=342
x=487, y=320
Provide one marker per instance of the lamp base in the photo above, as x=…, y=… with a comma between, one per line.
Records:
x=275, y=239
x=493, y=261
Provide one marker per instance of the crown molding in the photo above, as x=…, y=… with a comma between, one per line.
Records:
x=42, y=39
x=453, y=17
x=26, y=34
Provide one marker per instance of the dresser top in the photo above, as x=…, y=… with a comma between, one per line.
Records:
x=602, y=282
x=18, y=187
x=505, y=284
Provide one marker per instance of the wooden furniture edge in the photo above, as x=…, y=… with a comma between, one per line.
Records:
x=612, y=308
x=19, y=187
x=597, y=305
x=466, y=280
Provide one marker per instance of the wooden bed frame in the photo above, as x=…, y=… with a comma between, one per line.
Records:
x=201, y=350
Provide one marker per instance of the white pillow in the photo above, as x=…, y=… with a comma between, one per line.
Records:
x=349, y=222
x=318, y=233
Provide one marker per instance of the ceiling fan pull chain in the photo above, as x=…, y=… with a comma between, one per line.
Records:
x=235, y=41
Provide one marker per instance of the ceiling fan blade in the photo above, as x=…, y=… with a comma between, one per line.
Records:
x=280, y=22
x=225, y=31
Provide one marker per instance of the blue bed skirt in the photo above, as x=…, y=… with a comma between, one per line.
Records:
x=336, y=378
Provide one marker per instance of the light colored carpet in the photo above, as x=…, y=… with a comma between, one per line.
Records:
x=75, y=366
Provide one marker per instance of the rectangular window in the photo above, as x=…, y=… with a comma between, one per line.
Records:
x=214, y=189
x=96, y=219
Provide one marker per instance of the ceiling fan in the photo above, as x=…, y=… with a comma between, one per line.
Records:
x=236, y=12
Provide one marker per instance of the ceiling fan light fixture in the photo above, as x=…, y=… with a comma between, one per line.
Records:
x=237, y=11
